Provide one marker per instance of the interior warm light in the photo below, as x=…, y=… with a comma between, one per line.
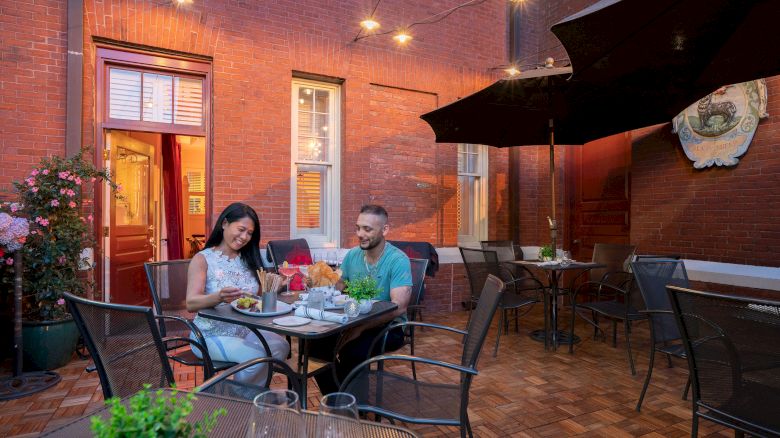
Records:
x=307, y=91
x=369, y=24
x=512, y=71
x=402, y=37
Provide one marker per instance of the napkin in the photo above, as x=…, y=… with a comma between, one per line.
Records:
x=306, y=312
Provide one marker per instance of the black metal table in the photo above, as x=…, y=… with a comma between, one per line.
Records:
x=304, y=333
x=554, y=271
x=234, y=424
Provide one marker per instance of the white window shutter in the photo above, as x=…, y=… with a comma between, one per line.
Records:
x=124, y=94
x=188, y=102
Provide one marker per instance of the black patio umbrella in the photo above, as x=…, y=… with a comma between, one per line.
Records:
x=537, y=107
x=671, y=53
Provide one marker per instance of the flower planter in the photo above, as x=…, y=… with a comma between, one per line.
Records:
x=48, y=344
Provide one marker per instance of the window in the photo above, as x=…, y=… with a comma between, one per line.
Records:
x=316, y=120
x=472, y=194
x=196, y=191
x=155, y=97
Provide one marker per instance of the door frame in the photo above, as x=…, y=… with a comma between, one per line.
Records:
x=150, y=59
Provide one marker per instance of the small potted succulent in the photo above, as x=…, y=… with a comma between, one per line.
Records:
x=363, y=290
x=158, y=414
x=546, y=253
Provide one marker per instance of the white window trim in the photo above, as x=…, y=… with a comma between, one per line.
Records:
x=332, y=207
x=481, y=222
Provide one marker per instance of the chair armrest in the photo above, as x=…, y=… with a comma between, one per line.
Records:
x=383, y=333
x=271, y=361
x=207, y=364
x=656, y=311
x=613, y=274
x=190, y=325
x=464, y=370
x=600, y=286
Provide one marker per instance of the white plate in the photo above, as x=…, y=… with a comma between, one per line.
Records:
x=328, y=305
x=281, y=309
x=291, y=321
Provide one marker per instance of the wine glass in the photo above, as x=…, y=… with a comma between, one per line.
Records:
x=276, y=413
x=338, y=417
x=332, y=259
x=288, y=271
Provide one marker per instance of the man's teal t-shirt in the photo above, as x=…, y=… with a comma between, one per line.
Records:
x=392, y=270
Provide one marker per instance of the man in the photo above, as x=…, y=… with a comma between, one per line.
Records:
x=391, y=268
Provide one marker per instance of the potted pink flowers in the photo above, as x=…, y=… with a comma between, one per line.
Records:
x=50, y=198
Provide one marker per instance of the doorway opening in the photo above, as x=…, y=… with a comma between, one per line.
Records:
x=161, y=212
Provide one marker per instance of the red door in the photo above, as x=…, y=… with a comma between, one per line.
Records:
x=599, y=187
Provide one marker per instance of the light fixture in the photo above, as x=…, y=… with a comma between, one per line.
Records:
x=307, y=91
x=402, y=37
x=512, y=71
x=301, y=101
x=369, y=24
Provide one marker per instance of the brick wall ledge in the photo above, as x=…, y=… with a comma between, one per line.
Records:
x=754, y=277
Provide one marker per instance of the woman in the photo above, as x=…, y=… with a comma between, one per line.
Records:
x=221, y=273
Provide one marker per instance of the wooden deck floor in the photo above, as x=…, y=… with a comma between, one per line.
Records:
x=524, y=392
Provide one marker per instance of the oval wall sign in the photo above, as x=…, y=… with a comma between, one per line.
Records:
x=720, y=126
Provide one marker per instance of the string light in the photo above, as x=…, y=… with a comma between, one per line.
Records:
x=369, y=24
x=512, y=70
x=402, y=36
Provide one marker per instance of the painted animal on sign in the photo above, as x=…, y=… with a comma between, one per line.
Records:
x=707, y=109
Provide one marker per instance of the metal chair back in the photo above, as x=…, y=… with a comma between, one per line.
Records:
x=295, y=251
x=479, y=324
x=734, y=358
x=614, y=256
x=125, y=344
x=479, y=264
x=418, y=279
x=505, y=249
x=168, y=284
x=652, y=277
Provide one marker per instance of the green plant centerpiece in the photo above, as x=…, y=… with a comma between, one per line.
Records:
x=158, y=414
x=362, y=290
x=50, y=197
x=546, y=253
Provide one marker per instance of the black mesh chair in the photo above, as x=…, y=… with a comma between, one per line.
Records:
x=125, y=345
x=734, y=358
x=295, y=251
x=226, y=385
x=521, y=292
x=503, y=255
x=652, y=277
x=128, y=352
x=382, y=391
x=608, y=292
x=168, y=283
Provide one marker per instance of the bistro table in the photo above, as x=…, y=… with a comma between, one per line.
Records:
x=554, y=270
x=313, y=330
x=234, y=424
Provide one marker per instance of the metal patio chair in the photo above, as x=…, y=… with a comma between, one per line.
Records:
x=168, y=284
x=398, y=397
x=733, y=357
x=294, y=251
x=652, y=277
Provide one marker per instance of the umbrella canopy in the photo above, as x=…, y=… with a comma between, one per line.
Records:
x=670, y=53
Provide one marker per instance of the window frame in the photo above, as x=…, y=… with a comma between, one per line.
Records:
x=480, y=197
x=330, y=210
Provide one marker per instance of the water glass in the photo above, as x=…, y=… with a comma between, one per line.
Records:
x=316, y=300
x=276, y=413
x=566, y=259
x=338, y=417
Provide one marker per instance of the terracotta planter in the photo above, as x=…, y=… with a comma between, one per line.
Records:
x=48, y=344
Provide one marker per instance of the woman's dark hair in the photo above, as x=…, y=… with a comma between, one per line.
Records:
x=250, y=252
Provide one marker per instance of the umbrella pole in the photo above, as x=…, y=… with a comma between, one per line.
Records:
x=551, y=220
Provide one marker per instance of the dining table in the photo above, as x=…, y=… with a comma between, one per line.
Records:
x=235, y=423
x=315, y=329
x=554, y=270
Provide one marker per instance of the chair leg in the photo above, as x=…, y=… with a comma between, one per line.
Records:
x=517, y=320
x=411, y=350
x=498, y=337
x=669, y=360
x=695, y=425
x=614, y=333
x=687, y=387
x=647, y=379
x=571, y=326
x=465, y=428
x=628, y=347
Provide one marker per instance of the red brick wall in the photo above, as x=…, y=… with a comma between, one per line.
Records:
x=32, y=85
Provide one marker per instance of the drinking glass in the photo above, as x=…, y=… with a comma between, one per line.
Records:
x=332, y=259
x=338, y=417
x=351, y=308
x=288, y=272
x=316, y=300
x=276, y=413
